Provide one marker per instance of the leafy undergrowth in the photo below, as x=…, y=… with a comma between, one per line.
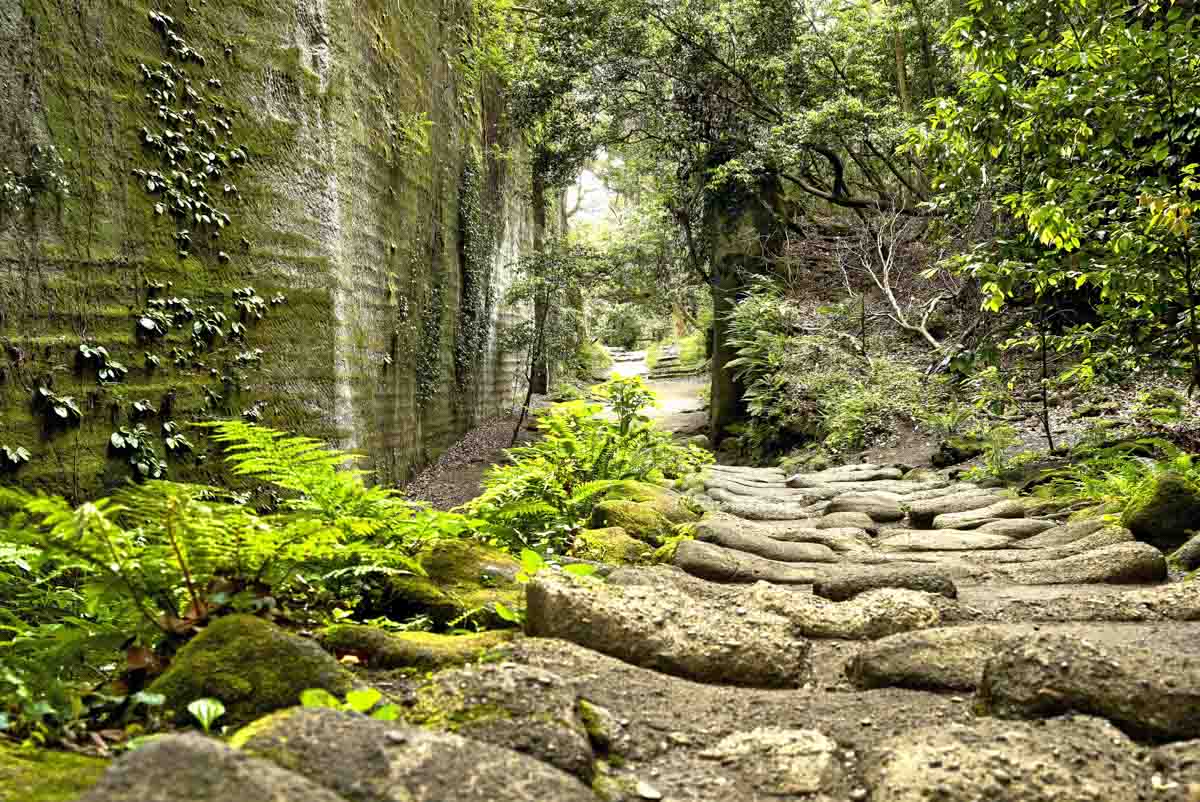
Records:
x=542, y=497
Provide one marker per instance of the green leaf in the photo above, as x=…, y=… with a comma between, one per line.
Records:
x=579, y=569
x=506, y=613
x=386, y=713
x=319, y=697
x=363, y=699
x=206, y=711
x=531, y=561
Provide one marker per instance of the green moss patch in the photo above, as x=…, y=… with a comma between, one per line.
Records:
x=611, y=545
x=1167, y=515
x=44, y=776
x=671, y=505
x=641, y=521
x=463, y=578
x=377, y=648
x=252, y=666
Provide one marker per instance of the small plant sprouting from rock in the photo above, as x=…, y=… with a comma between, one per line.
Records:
x=61, y=410
x=108, y=370
x=12, y=457
x=136, y=445
x=206, y=712
x=366, y=701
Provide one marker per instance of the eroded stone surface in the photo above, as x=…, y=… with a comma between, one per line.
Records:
x=1147, y=693
x=874, y=614
x=193, y=768
x=380, y=761
x=849, y=583
x=670, y=631
x=780, y=761
x=1064, y=760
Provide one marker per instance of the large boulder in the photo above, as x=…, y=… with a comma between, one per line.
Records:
x=1147, y=693
x=864, y=472
x=846, y=520
x=670, y=631
x=1062, y=760
x=851, y=582
x=948, y=658
x=942, y=540
x=1177, y=601
x=193, y=768
x=366, y=760
x=41, y=775
x=716, y=525
x=1168, y=515
x=528, y=710
x=881, y=506
x=954, y=450
x=1017, y=528
x=922, y=512
x=462, y=576
x=767, y=509
x=1187, y=556
x=378, y=648
x=673, y=506
x=612, y=545
x=252, y=666
x=640, y=521
x=1064, y=534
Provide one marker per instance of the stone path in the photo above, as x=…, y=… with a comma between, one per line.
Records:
x=867, y=526
x=855, y=634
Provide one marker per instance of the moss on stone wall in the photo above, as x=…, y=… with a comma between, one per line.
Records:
x=358, y=122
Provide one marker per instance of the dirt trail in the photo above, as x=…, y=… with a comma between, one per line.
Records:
x=679, y=408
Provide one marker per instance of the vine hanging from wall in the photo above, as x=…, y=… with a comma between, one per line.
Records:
x=477, y=227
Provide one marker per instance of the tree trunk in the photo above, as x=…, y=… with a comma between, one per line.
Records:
x=902, y=73
x=726, y=406
x=539, y=372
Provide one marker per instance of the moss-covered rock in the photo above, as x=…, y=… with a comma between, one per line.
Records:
x=1187, y=556
x=190, y=767
x=611, y=545
x=1096, y=409
x=519, y=707
x=1168, y=515
x=38, y=775
x=364, y=759
x=377, y=648
x=252, y=666
x=673, y=506
x=463, y=577
x=958, y=449
x=665, y=554
x=639, y=520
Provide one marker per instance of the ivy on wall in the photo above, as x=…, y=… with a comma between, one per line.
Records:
x=428, y=367
x=191, y=137
x=477, y=227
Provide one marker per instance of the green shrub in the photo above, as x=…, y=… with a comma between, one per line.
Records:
x=549, y=488
x=802, y=387
x=1119, y=480
x=141, y=571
